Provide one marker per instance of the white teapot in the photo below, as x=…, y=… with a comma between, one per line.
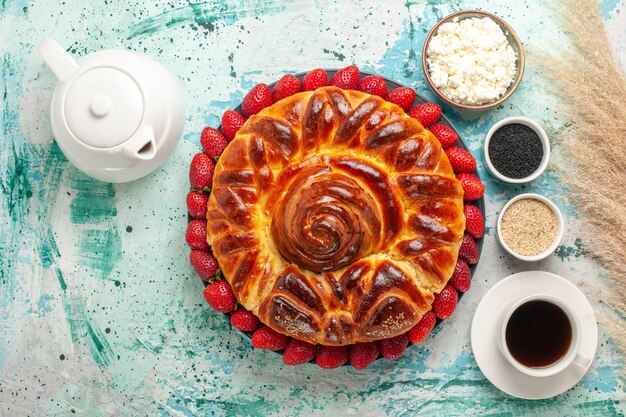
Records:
x=116, y=114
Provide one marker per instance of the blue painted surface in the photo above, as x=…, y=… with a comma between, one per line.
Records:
x=98, y=320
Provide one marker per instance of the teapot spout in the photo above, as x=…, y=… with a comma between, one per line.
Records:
x=59, y=61
x=141, y=145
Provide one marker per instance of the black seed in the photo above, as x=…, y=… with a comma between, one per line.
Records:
x=515, y=150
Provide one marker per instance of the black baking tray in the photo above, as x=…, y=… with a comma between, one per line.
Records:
x=391, y=84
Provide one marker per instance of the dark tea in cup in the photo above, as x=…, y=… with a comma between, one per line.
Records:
x=538, y=334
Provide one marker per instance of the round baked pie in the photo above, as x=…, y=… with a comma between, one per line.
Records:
x=335, y=217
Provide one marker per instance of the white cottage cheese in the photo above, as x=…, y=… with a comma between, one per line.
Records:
x=470, y=61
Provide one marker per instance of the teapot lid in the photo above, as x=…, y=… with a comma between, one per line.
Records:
x=103, y=107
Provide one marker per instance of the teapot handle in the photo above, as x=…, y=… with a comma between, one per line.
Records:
x=59, y=61
x=141, y=145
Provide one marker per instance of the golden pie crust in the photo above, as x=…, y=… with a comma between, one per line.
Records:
x=335, y=217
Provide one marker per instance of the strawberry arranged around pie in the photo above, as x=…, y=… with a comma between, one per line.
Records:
x=333, y=227
x=335, y=217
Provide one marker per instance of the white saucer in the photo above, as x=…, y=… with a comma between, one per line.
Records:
x=485, y=334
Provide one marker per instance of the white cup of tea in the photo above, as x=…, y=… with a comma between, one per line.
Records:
x=541, y=336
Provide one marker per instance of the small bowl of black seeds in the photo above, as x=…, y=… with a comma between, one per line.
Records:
x=517, y=150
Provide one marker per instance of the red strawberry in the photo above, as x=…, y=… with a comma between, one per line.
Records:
x=422, y=328
x=196, y=235
x=426, y=113
x=363, y=354
x=298, y=352
x=445, y=302
x=460, y=159
x=394, y=347
x=314, y=79
x=201, y=172
x=267, y=338
x=196, y=204
x=469, y=250
x=329, y=357
x=256, y=100
x=446, y=136
x=473, y=189
x=461, y=277
x=474, y=221
x=205, y=264
x=231, y=123
x=346, y=78
x=285, y=87
x=213, y=142
x=402, y=96
x=220, y=296
x=244, y=320
x=373, y=84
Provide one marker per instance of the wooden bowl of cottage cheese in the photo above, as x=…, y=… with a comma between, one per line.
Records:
x=473, y=60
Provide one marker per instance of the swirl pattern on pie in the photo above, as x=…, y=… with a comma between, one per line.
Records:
x=335, y=217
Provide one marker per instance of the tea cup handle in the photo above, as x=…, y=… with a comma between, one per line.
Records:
x=582, y=361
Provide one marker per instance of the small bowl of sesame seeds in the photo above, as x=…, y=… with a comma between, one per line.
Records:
x=530, y=227
x=517, y=150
